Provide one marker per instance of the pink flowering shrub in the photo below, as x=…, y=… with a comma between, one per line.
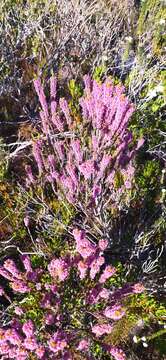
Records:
x=89, y=162
x=75, y=305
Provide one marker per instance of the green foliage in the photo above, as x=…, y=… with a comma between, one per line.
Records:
x=146, y=307
x=99, y=72
x=151, y=14
x=148, y=176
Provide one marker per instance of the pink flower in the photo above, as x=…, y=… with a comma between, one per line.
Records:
x=65, y=108
x=51, y=161
x=21, y=353
x=58, y=268
x=38, y=286
x=18, y=310
x=12, y=354
x=82, y=267
x=72, y=172
x=83, y=345
x=118, y=354
x=138, y=288
x=104, y=294
x=37, y=153
x=57, y=342
x=55, y=118
x=115, y=313
x=84, y=247
x=28, y=328
x=95, y=266
x=87, y=168
x=102, y=329
x=4, y=348
x=30, y=343
x=107, y=273
x=40, y=351
x=53, y=87
x=13, y=337
x=46, y=301
x=93, y=295
x=10, y=266
x=49, y=319
x=53, y=288
x=103, y=165
x=103, y=244
x=87, y=83
x=20, y=286
x=30, y=176
x=76, y=147
x=59, y=147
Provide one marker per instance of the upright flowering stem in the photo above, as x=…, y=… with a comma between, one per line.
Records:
x=94, y=151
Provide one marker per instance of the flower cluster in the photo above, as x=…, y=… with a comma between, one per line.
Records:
x=62, y=329
x=83, y=159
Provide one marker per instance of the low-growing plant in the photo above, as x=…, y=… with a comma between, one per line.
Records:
x=65, y=307
x=90, y=162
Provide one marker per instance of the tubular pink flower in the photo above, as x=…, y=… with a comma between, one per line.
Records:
x=95, y=266
x=10, y=266
x=28, y=328
x=58, y=268
x=29, y=173
x=57, y=343
x=13, y=337
x=115, y=313
x=103, y=165
x=55, y=118
x=87, y=83
x=30, y=343
x=66, y=111
x=72, y=172
x=84, y=247
x=53, y=87
x=18, y=311
x=44, y=122
x=40, y=352
x=49, y=319
x=118, y=354
x=78, y=153
x=102, y=329
x=138, y=288
x=82, y=267
x=20, y=286
x=37, y=153
x=107, y=273
x=83, y=345
x=27, y=263
x=103, y=244
x=104, y=294
x=87, y=169
x=21, y=352
x=51, y=162
x=4, y=348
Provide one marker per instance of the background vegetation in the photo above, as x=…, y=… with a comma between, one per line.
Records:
x=125, y=42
